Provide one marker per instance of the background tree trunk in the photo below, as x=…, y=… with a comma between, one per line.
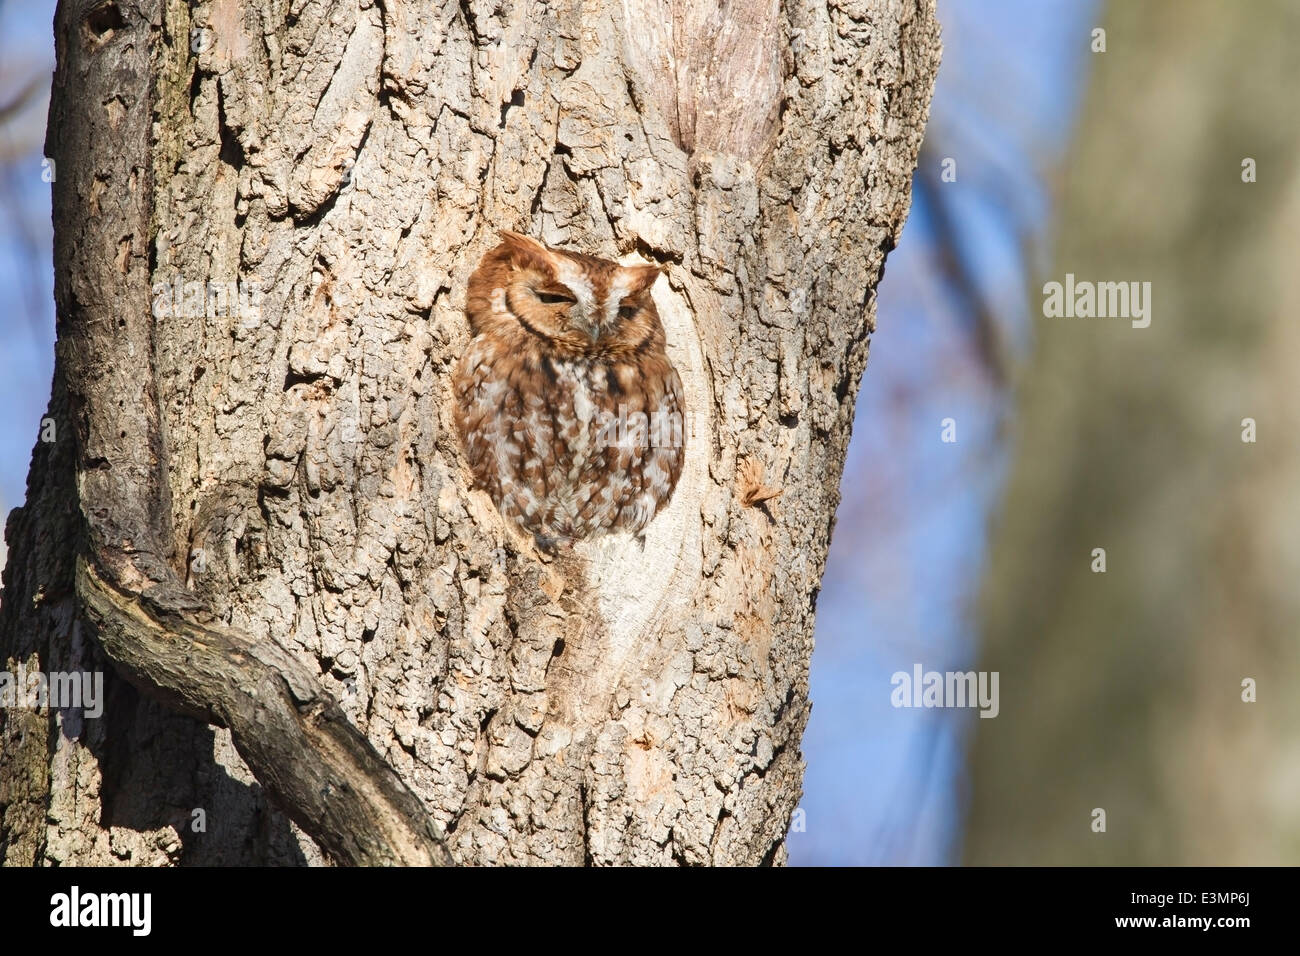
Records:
x=260, y=515
x=1123, y=691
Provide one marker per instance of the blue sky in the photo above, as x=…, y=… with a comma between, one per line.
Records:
x=885, y=785
x=26, y=276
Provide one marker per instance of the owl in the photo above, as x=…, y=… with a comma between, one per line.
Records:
x=568, y=408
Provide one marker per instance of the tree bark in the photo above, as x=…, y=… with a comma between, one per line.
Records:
x=319, y=634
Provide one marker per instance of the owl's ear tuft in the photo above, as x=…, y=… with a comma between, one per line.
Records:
x=641, y=278
x=525, y=250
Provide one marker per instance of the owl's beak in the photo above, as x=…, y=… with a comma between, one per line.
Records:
x=589, y=328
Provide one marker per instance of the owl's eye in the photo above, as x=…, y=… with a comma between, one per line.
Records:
x=555, y=298
x=626, y=312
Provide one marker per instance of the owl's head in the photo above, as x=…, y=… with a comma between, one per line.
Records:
x=581, y=305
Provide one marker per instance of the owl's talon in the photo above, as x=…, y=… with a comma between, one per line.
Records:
x=552, y=544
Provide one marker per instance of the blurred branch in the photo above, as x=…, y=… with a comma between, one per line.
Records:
x=22, y=121
x=29, y=93
x=960, y=270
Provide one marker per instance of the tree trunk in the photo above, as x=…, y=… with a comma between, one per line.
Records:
x=1123, y=691
x=256, y=514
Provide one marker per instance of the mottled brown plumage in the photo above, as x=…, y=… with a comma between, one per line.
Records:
x=568, y=408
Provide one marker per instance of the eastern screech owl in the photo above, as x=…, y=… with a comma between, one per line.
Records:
x=567, y=405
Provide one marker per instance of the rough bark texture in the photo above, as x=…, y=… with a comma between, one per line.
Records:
x=288, y=490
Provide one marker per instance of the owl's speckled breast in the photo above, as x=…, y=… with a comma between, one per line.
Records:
x=567, y=450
